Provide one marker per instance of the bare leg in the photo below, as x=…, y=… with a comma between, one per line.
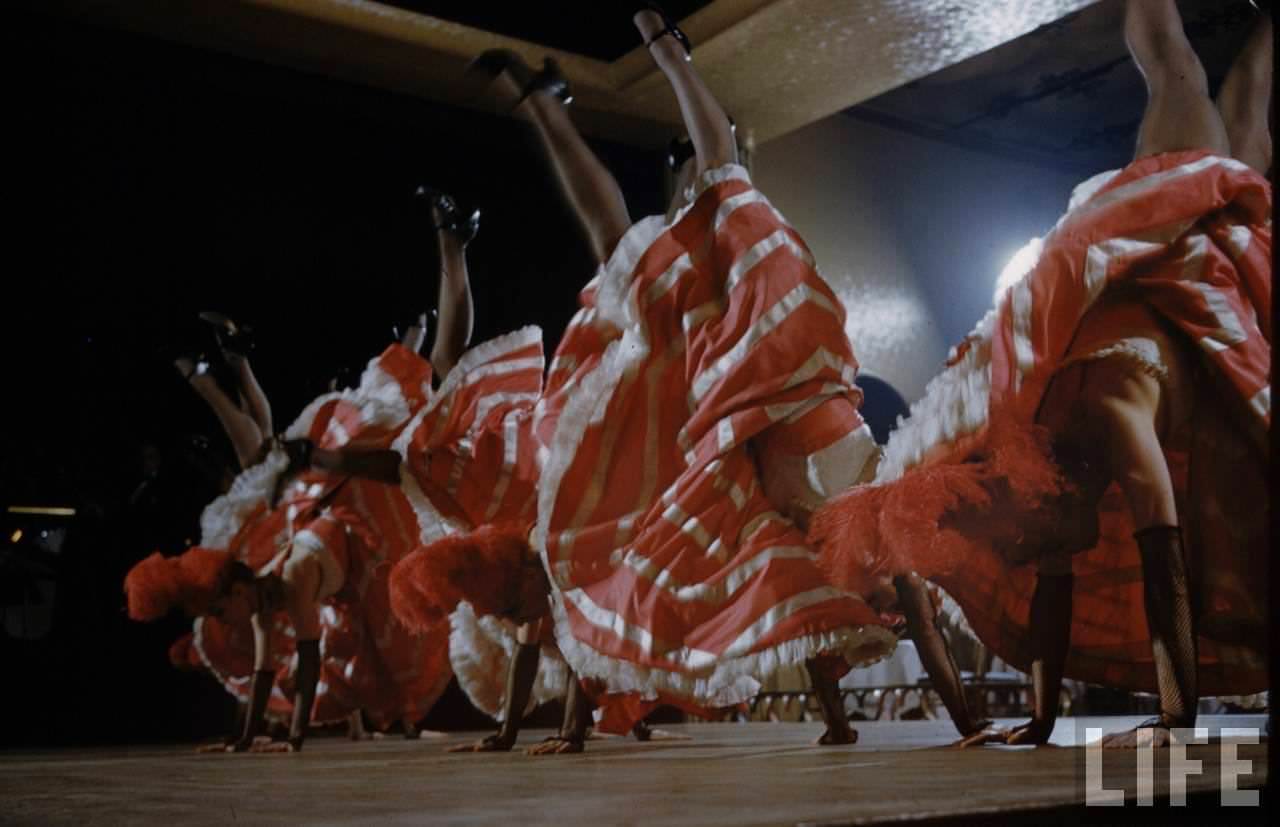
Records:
x=455, y=304
x=1179, y=113
x=259, y=407
x=1126, y=404
x=590, y=188
x=245, y=433
x=1245, y=98
x=708, y=126
x=415, y=335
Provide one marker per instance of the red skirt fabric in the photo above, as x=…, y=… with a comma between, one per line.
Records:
x=358, y=529
x=470, y=457
x=1187, y=238
x=673, y=575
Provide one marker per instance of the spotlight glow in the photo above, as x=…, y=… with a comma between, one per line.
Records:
x=1019, y=265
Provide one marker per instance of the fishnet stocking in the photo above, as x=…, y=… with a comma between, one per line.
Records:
x=1172, y=624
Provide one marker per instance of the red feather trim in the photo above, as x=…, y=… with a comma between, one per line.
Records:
x=482, y=567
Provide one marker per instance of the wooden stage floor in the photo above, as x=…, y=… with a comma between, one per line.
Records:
x=730, y=774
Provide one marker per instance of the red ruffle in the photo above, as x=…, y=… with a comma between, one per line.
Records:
x=909, y=524
x=482, y=567
x=158, y=584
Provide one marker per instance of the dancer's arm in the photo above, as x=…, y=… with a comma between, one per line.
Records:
x=302, y=578
x=935, y=654
x=520, y=677
x=1051, y=641
x=827, y=690
x=572, y=737
x=264, y=678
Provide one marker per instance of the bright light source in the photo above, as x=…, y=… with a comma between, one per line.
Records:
x=1019, y=265
x=47, y=511
x=15, y=536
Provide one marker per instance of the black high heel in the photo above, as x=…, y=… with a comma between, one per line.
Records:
x=229, y=336
x=680, y=150
x=548, y=79
x=423, y=320
x=453, y=218
x=669, y=28
x=199, y=343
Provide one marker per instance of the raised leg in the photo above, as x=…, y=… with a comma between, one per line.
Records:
x=455, y=304
x=1244, y=100
x=1179, y=114
x=255, y=398
x=242, y=429
x=590, y=188
x=705, y=120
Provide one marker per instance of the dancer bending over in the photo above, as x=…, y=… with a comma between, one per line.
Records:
x=1136, y=353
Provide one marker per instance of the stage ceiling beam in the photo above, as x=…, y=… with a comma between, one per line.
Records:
x=777, y=65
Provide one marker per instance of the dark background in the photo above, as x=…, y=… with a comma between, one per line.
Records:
x=147, y=182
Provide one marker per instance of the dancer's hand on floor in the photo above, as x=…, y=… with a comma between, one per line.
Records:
x=490, y=743
x=1032, y=732
x=845, y=735
x=668, y=735
x=986, y=733
x=1157, y=737
x=555, y=745
x=431, y=735
x=273, y=747
x=241, y=745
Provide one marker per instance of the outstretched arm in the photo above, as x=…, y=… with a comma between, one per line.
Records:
x=303, y=580
x=935, y=654
x=264, y=678
x=573, y=730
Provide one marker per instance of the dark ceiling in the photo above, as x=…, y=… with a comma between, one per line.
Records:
x=596, y=28
x=1065, y=96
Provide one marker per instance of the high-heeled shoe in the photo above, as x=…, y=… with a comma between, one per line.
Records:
x=680, y=150
x=230, y=337
x=197, y=343
x=548, y=79
x=452, y=218
x=669, y=28
x=400, y=327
